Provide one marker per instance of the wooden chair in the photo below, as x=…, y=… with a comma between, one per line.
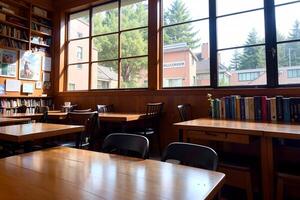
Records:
x=44, y=110
x=192, y=155
x=127, y=144
x=149, y=126
x=22, y=109
x=88, y=137
x=105, y=108
x=185, y=112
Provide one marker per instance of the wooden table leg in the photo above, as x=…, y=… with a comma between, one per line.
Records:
x=267, y=168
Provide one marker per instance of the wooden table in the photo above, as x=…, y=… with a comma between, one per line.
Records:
x=12, y=121
x=22, y=115
x=57, y=115
x=240, y=132
x=33, y=131
x=66, y=173
x=120, y=117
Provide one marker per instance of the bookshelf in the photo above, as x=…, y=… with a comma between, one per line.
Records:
x=25, y=26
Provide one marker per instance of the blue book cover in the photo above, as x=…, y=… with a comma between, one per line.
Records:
x=227, y=108
x=217, y=108
x=257, y=108
x=286, y=110
x=232, y=107
x=242, y=106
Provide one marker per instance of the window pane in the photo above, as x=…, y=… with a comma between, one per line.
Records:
x=134, y=43
x=243, y=66
x=232, y=6
x=186, y=55
x=105, y=47
x=283, y=1
x=134, y=14
x=79, y=25
x=134, y=73
x=105, y=75
x=289, y=63
x=78, y=77
x=288, y=22
x=240, y=30
x=105, y=19
x=177, y=11
x=78, y=51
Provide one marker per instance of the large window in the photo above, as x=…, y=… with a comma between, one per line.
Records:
x=118, y=55
x=241, y=43
x=288, y=41
x=185, y=32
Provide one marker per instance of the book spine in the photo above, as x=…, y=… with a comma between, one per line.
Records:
x=232, y=107
x=242, y=107
x=273, y=109
x=279, y=110
x=227, y=108
x=223, y=114
x=286, y=110
x=257, y=108
x=247, y=112
x=264, y=114
x=238, y=108
x=251, y=108
x=268, y=110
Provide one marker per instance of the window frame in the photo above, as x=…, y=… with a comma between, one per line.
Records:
x=90, y=38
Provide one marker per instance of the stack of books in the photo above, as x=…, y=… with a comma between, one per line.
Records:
x=258, y=108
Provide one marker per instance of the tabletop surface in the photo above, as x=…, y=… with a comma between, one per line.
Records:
x=31, y=131
x=67, y=173
x=120, y=116
x=21, y=115
x=10, y=121
x=247, y=127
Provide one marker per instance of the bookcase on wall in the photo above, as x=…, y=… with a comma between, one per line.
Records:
x=27, y=27
x=24, y=26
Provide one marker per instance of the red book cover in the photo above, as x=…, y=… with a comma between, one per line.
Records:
x=264, y=108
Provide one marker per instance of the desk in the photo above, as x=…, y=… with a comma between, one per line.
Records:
x=12, y=121
x=22, y=115
x=66, y=173
x=33, y=131
x=57, y=115
x=240, y=132
x=120, y=117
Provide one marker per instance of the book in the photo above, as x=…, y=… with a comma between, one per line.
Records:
x=227, y=108
x=237, y=108
x=232, y=106
x=242, y=108
x=286, y=109
x=251, y=108
x=268, y=109
x=257, y=108
x=264, y=109
x=295, y=109
x=273, y=111
x=279, y=110
x=223, y=114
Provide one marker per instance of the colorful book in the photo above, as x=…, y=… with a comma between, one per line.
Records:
x=242, y=107
x=286, y=110
x=268, y=110
x=237, y=108
x=295, y=109
x=227, y=108
x=251, y=108
x=273, y=109
x=232, y=106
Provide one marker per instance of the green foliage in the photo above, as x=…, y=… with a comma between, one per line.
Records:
x=183, y=33
x=133, y=43
x=235, y=61
x=252, y=57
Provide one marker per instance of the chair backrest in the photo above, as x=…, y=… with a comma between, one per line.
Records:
x=41, y=109
x=192, y=155
x=90, y=120
x=123, y=143
x=44, y=110
x=154, y=109
x=185, y=112
x=69, y=108
x=83, y=111
x=105, y=108
x=22, y=109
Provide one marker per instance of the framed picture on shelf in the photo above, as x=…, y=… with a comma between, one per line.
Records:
x=30, y=66
x=8, y=63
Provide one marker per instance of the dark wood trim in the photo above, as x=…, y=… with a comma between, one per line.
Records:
x=213, y=44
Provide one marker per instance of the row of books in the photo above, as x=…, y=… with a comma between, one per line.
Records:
x=40, y=40
x=14, y=103
x=12, y=43
x=42, y=29
x=42, y=21
x=10, y=111
x=13, y=32
x=258, y=108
